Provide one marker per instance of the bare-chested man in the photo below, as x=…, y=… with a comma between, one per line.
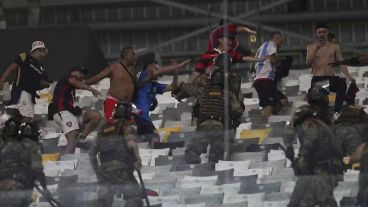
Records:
x=319, y=55
x=123, y=82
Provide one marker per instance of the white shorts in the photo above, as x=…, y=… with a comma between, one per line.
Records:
x=67, y=121
x=25, y=105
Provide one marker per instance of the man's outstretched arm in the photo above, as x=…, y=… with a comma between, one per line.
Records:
x=170, y=68
x=96, y=78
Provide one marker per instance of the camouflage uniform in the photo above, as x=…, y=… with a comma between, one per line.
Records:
x=319, y=163
x=115, y=173
x=20, y=161
x=363, y=179
x=211, y=119
x=351, y=131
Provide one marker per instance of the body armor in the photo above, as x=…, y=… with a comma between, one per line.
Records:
x=212, y=105
x=113, y=147
x=15, y=163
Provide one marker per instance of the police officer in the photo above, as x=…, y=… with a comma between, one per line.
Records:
x=319, y=162
x=210, y=93
x=118, y=157
x=20, y=163
x=351, y=132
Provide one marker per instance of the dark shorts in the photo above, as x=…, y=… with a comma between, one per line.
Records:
x=337, y=85
x=267, y=92
x=145, y=128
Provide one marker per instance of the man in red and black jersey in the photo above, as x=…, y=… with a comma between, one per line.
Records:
x=232, y=30
x=206, y=64
x=66, y=114
x=207, y=59
x=31, y=77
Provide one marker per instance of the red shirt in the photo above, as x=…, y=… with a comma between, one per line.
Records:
x=218, y=32
x=208, y=59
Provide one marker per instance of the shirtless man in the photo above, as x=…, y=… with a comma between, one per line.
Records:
x=122, y=81
x=319, y=55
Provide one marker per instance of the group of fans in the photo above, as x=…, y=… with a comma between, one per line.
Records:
x=218, y=110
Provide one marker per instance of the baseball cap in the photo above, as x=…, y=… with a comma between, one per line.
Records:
x=37, y=45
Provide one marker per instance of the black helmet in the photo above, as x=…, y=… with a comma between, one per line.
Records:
x=217, y=77
x=223, y=59
x=30, y=130
x=316, y=93
x=7, y=118
x=122, y=110
x=11, y=128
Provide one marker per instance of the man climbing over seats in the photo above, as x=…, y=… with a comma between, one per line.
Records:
x=265, y=81
x=114, y=157
x=211, y=91
x=318, y=166
x=232, y=30
x=69, y=117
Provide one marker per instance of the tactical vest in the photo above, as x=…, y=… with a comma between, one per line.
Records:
x=114, y=148
x=15, y=164
x=324, y=150
x=212, y=105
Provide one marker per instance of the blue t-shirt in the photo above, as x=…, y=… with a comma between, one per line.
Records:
x=147, y=93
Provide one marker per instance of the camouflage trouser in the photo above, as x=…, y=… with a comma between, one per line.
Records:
x=363, y=180
x=314, y=190
x=13, y=194
x=113, y=183
x=209, y=132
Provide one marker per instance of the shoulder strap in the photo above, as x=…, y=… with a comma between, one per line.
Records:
x=134, y=79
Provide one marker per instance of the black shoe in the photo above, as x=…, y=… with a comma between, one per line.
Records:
x=83, y=144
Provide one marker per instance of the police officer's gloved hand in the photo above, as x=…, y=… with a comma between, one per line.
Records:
x=289, y=153
x=154, y=104
x=176, y=90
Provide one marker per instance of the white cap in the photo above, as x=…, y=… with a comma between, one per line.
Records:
x=38, y=44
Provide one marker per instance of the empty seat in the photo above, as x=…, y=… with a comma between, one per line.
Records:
x=185, y=191
x=213, y=200
x=267, y=188
x=180, y=136
x=169, y=160
x=254, y=156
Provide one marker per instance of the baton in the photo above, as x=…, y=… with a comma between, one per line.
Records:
x=53, y=202
x=143, y=188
